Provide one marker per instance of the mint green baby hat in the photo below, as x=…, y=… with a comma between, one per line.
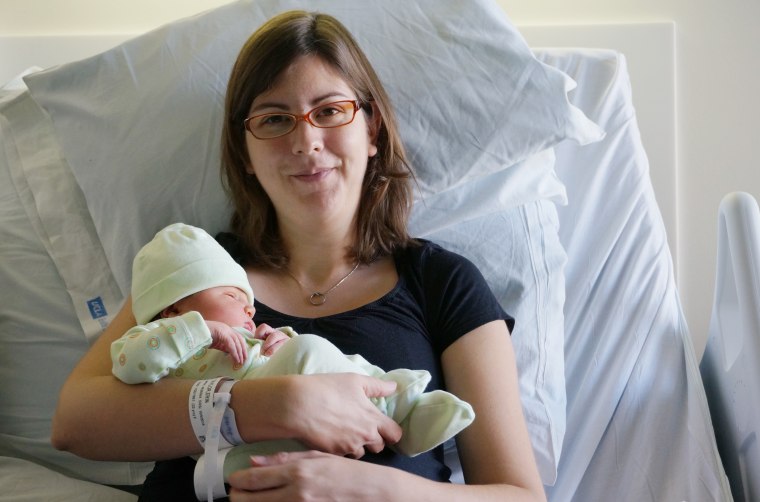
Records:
x=179, y=261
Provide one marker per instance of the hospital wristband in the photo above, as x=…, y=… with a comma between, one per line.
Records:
x=201, y=407
x=213, y=469
x=229, y=425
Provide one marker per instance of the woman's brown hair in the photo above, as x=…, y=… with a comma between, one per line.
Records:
x=386, y=191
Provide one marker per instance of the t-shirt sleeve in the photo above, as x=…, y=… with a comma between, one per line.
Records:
x=457, y=298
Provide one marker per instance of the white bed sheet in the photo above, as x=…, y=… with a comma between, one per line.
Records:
x=638, y=427
x=24, y=481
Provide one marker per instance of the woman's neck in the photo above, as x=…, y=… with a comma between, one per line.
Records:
x=317, y=253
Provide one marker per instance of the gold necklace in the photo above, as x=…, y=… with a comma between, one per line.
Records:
x=318, y=298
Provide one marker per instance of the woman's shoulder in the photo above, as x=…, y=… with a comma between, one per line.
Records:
x=430, y=254
x=431, y=267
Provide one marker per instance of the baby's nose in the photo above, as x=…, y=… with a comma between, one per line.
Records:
x=249, y=311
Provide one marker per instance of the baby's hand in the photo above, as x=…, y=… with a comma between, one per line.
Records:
x=273, y=338
x=228, y=340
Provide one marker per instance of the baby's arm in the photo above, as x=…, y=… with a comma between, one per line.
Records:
x=273, y=338
x=148, y=352
x=228, y=340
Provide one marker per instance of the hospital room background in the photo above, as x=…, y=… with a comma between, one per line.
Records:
x=617, y=374
x=700, y=117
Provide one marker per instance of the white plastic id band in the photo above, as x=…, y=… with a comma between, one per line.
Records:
x=213, y=470
x=202, y=483
x=229, y=425
x=200, y=408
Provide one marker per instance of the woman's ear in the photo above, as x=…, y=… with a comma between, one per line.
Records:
x=374, y=123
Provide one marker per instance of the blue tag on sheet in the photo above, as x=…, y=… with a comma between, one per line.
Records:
x=97, y=308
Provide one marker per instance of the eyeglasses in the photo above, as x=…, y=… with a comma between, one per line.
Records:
x=274, y=125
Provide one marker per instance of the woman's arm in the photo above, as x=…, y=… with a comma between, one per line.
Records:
x=495, y=450
x=95, y=410
x=480, y=368
x=101, y=418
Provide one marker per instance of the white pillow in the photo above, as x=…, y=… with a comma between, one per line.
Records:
x=527, y=181
x=140, y=124
x=43, y=268
x=516, y=246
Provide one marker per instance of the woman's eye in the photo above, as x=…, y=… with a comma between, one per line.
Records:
x=329, y=111
x=274, y=120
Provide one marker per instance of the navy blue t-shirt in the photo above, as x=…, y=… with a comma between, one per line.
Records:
x=439, y=297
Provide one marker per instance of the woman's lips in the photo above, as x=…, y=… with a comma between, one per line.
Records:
x=312, y=176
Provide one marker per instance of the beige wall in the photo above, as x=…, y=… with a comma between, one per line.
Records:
x=718, y=109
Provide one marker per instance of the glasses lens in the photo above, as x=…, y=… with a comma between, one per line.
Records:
x=271, y=125
x=333, y=114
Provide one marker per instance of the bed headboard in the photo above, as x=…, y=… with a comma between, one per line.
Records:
x=649, y=49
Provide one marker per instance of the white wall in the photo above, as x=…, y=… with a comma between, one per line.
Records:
x=718, y=81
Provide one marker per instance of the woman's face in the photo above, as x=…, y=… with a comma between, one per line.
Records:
x=311, y=172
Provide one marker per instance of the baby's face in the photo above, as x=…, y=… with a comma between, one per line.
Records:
x=226, y=304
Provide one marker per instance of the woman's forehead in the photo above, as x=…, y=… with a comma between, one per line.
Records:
x=308, y=80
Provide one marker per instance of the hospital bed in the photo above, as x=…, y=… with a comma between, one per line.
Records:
x=99, y=153
x=729, y=366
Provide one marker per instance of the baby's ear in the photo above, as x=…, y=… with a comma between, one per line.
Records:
x=170, y=311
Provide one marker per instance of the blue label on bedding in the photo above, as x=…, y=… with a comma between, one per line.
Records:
x=97, y=308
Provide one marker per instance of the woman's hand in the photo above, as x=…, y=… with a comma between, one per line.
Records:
x=307, y=475
x=327, y=412
x=337, y=416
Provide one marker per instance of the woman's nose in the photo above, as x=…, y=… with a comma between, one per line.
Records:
x=306, y=138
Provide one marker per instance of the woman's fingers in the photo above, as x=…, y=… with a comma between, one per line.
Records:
x=374, y=387
x=377, y=446
x=269, y=478
x=284, y=457
x=305, y=475
x=390, y=432
x=334, y=413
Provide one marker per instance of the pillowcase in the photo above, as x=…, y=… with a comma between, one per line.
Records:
x=49, y=258
x=471, y=99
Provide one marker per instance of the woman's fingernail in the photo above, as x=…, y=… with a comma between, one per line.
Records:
x=258, y=459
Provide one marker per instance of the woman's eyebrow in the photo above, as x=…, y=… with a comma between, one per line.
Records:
x=267, y=104
x=314, y=102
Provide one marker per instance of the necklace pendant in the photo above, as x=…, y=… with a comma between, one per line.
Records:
x=317, y=299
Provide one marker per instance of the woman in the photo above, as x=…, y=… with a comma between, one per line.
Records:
x=321, y=191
